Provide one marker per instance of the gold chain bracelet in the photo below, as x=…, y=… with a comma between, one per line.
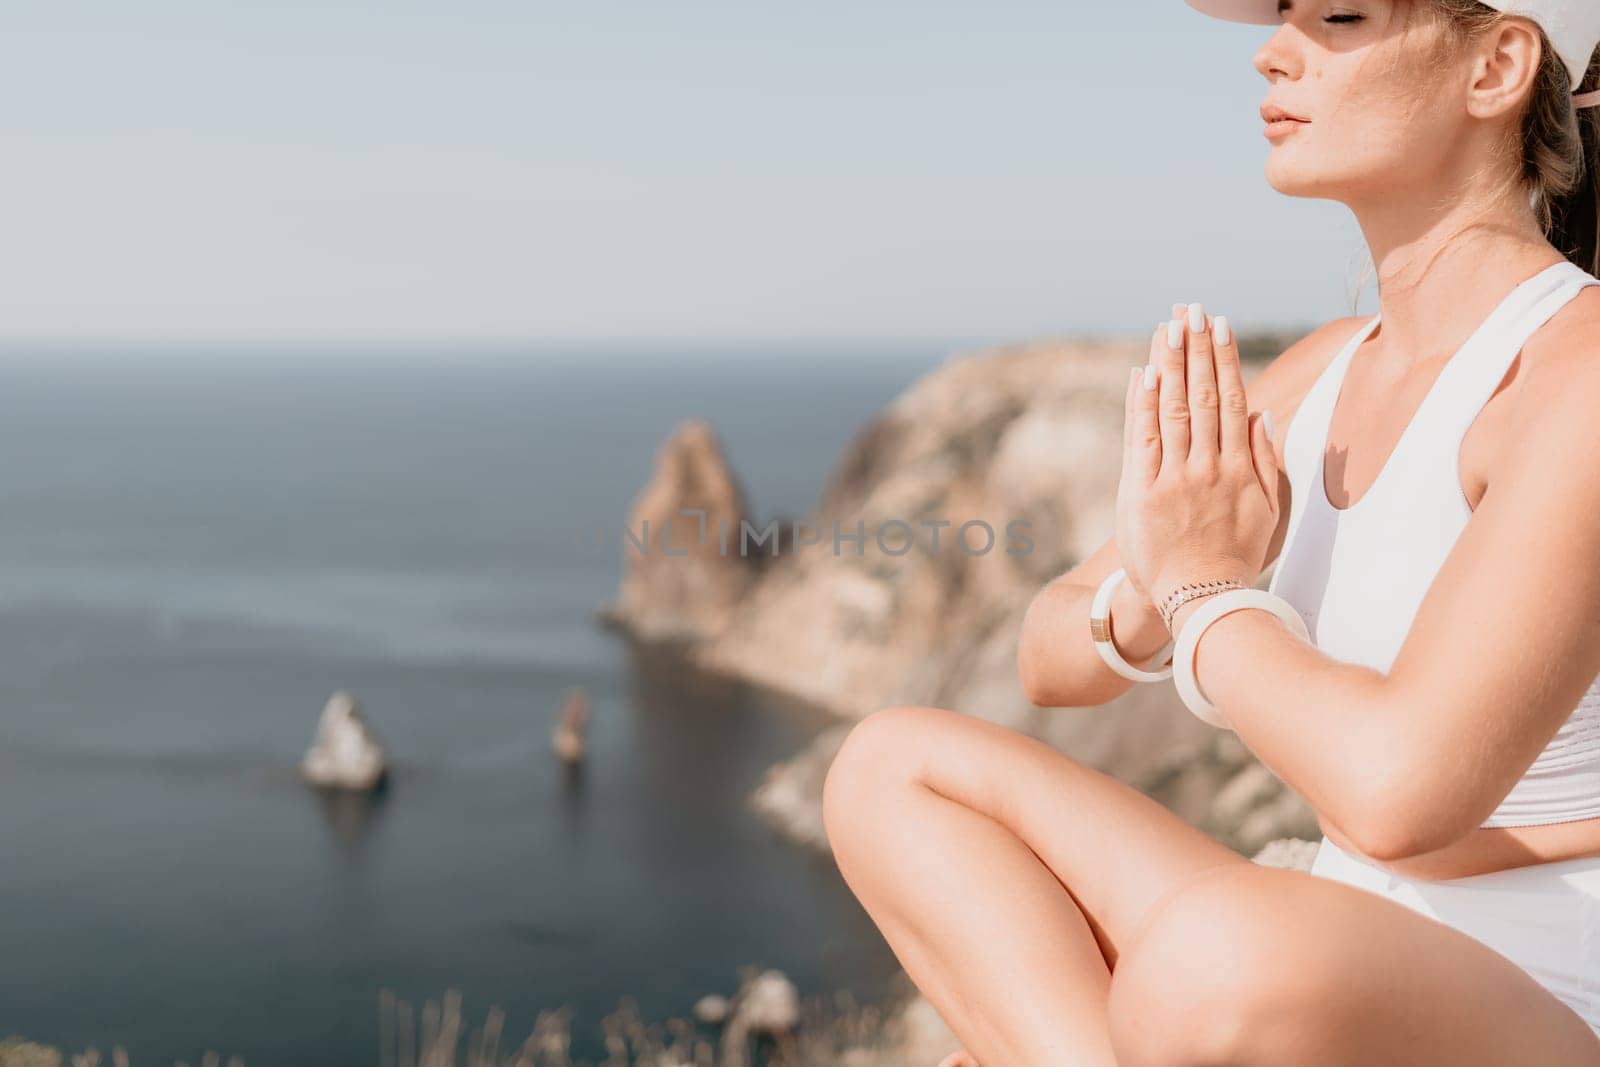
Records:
x=1189, y=591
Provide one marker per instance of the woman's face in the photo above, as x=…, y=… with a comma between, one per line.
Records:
x=1375, y=107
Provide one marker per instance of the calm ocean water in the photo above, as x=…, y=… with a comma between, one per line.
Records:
x=197, y=549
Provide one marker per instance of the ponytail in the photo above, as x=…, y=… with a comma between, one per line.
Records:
x=1575, y=217
x=1571, y=216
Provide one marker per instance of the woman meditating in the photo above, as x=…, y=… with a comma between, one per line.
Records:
x=1423, y=668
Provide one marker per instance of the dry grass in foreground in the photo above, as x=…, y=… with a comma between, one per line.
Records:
x=837, y=1034
x=840, y=1034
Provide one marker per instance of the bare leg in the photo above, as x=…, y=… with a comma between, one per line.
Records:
x=1004, y=875
x=988, y=934
x=1258, y=967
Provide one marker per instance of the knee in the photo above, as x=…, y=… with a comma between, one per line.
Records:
x=875, y=752
x=1205, y=978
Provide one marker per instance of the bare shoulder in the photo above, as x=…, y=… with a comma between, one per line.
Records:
x=1283, y=383
x=1560, y=368
x=1550, y=397
x=1572, y=336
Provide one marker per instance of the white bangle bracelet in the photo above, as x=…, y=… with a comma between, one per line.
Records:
x=1209, y=611
x=1100, y=634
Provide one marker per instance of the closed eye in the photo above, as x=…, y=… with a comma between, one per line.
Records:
x=1285, y=6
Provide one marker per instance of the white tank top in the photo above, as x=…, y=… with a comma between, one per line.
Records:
x=1358, y=574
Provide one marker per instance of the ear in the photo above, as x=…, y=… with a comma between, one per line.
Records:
x=1505, y=68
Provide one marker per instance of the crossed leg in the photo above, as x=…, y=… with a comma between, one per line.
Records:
x=1054, y=915
x=1004, y=875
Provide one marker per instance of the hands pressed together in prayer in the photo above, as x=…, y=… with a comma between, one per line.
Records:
x=1198, y=497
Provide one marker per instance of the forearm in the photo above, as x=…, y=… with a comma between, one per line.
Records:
x=1326, y=727
x=1056, y=660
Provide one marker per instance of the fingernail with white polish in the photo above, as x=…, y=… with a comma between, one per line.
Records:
x=1149, y=376
x=1197, y=318
x=1266, y=420
x=1219, y=329
x=1175, y=335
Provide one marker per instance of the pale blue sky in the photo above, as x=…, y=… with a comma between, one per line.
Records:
x=650, y=170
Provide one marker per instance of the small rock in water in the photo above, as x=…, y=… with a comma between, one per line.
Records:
x=568, y=738
x=345, y=754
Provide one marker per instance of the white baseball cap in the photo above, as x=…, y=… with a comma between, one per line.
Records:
x=1573, y=27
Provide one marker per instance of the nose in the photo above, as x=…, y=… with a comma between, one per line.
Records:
x=1280, y=56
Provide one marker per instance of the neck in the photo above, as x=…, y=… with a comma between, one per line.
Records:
x=1445, y=252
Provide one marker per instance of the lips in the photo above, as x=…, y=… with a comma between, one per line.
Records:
x=1273, y=113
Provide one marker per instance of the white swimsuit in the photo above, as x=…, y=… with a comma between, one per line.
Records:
x=1357, y=576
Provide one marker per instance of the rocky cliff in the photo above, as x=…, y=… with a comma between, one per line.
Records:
x=907, y=583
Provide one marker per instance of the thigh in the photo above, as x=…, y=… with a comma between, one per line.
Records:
x=1114, y=849
x=1260, y=965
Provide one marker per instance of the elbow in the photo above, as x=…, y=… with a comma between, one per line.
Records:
x=1386, y=838
x=1041, y=697
x=1401, y=817
x=1039, y=675
x=1399, y=799
x=1034, y=663
x=1052, y=675
x=1032, y=676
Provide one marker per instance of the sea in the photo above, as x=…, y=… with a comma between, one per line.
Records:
x=199, y=544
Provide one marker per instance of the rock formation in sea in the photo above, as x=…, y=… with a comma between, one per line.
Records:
x=679, y=581
x=876, y=597
x=569, y=737
x=345, y=753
